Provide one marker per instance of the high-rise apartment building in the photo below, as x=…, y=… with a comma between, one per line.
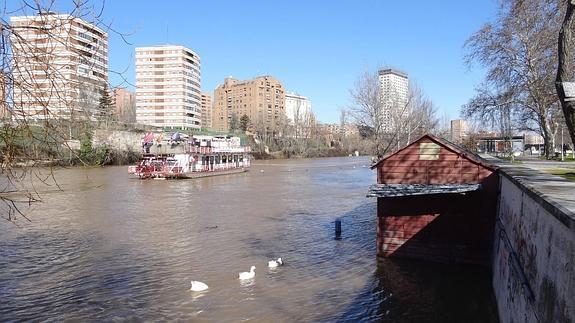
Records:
x=297, y=107
x=459, y=130
x=394, y=91
x=125, y=104
x=59, y=67
x=207, y=108
x=168, y=87
x=262, y=99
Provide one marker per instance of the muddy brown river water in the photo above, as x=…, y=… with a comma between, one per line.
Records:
x=111, y=248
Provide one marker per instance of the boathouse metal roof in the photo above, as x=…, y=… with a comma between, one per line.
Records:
x=397, y=190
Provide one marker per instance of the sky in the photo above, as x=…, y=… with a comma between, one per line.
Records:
x=317, y=49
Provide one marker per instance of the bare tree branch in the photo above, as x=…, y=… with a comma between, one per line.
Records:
x=518, y=51
x=43, y=105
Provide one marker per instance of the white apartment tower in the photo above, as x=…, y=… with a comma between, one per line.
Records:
x=59, y=67
x=168, y=87
x=394, y=94
x=297, y=107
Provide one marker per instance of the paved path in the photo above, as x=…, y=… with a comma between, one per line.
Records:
x=555, y=190
x=541, y=164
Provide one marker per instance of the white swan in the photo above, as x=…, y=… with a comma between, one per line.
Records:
x=248, y=275
x=198, y=286
x=275, y=263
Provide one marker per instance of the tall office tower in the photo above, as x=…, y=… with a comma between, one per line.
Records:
x=168, y=87
x=459, y=130
x=297, y=107
x=125, y=103
x=394, y=91
x=262, y=99
x=59, y=67
x=206, y=110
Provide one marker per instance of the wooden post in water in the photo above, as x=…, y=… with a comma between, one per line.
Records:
x=337, y=229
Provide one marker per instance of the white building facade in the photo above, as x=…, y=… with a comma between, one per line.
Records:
x=297, y=107
x=168, y=87
x=59, y=67
x=394, y=86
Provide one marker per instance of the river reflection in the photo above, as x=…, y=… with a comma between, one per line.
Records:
x=113, y=248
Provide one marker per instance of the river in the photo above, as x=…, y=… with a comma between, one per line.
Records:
x=107, y=247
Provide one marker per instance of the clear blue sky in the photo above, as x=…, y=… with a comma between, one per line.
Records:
x=316, y=48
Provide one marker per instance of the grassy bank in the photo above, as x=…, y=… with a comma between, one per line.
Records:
x=563, y=172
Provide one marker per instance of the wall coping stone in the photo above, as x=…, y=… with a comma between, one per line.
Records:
x=556, y=194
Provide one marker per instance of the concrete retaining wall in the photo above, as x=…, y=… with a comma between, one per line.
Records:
x=119, y=140
x=534, y=247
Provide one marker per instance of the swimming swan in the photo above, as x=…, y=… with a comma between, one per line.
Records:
x=248, y=275
x=198, y=286
x=275, y=263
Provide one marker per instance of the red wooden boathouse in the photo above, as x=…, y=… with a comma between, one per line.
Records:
x=435, y=201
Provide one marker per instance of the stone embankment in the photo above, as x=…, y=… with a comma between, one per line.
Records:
x=118, y=139
x=534, y=247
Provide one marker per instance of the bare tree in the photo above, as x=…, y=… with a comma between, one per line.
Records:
x=420, y=117
x=342, y=123
x=394, y=124
x=46, y=107
x=518, y=51
x=498, y=110
x=368, y=109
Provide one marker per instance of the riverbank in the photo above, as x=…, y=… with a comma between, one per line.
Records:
x=283, y=155
x=90, y=144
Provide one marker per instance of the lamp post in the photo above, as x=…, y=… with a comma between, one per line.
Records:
x=562, y=154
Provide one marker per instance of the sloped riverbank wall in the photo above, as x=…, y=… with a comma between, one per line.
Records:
x=534, y=247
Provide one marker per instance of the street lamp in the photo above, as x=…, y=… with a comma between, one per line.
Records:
x=562, y=155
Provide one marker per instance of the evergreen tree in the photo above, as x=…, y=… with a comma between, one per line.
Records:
x=244, y=122
x=234, y=123
x=106, y=105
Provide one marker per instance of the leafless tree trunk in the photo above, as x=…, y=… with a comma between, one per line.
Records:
x=342, y=124
x=565, y=66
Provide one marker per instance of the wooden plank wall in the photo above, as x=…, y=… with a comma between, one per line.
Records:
x=407, y=167
x=444, y=228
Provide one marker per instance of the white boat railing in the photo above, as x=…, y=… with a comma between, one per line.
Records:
x=210, y=150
